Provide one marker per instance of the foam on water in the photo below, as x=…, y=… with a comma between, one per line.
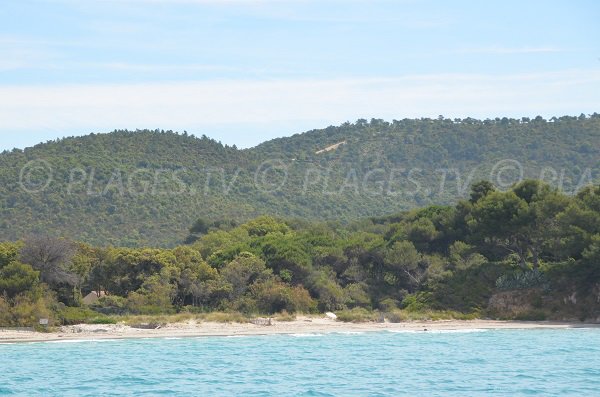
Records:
x=403, y=331
x=77, y=341
x=306, y=335
x=437, y=331
x=457, y=331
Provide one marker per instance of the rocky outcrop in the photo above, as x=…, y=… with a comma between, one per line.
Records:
x=565, y=304
x=512, y=303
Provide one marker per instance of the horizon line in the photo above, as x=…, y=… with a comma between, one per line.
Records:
x=455, y=120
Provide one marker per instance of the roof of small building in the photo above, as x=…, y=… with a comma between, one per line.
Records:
x=92, y=297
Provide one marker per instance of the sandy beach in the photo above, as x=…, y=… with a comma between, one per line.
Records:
x=300, y=326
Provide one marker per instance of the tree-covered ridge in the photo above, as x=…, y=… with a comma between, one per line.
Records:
x=137, y=188
x=531, y=252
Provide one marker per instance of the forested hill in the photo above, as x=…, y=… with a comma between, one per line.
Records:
x=146, y=187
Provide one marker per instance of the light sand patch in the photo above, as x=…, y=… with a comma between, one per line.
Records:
x=317, y=326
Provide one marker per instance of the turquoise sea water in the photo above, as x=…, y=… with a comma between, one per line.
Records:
x=493, y=362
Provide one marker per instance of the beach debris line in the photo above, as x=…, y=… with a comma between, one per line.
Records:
x=147, y=326
x=262, y=322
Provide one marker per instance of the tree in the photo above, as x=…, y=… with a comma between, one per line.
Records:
x=543, y=233
x=127, y=268
x=523, y=221
x=287, y=252
x=100, y=275
x=154, y=297
x=244, y=271
x=201, y=226
x=481, y=189
x=189, y=270
x=578, y=223
x=531, y=189
x=221, y=240
x=264, y=225
x=464, y=256
x=330, y=294
x=16, y=278
x=404, y=262
x=421, y=233
x=9, y=252
x=198, y=229
x=357, y=295
x=591, y=258
x=51, y=257
x=496, y=219
x=273, y=296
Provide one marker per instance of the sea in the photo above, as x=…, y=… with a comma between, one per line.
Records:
x=548, y=362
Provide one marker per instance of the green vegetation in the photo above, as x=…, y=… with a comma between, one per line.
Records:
x=356, y=315
x=531, y=252
x=145, y=188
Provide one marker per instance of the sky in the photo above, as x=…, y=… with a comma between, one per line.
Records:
x=245, y=71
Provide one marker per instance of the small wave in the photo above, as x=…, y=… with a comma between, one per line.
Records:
x=458, y=331
x=437, y=331
x=306, y=335
x=107, y=340
x=83, y=341
x=350, y=332
x=73, y=341
x=172, y=338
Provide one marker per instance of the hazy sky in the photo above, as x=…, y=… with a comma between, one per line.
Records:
x=244, y=71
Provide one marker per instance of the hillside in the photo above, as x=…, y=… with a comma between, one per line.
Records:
x=146, y=187
x=530, y=253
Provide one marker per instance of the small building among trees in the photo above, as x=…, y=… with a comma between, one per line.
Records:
x=93, y=297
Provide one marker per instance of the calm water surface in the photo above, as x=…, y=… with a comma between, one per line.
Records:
x=493, y=362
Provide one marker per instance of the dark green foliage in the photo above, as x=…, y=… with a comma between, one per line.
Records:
x=481, y=189
x=418, y=302
x=111, y=304
x=141, y=188
x=468, y=289
x=16, y=278
x=531, y=242
x=201, y=226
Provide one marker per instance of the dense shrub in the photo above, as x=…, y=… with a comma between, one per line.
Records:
x=356, y=315
x=273, y=296
x=111, y=304
x=522, y=280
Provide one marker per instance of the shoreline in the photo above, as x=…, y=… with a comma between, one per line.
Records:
x=301, y=327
